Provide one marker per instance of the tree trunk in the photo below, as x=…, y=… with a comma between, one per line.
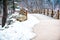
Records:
x=4, y=12
x=13, y=6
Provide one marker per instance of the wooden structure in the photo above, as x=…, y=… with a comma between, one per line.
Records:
x=48, y=12
x=59, y=14
x=22, y=15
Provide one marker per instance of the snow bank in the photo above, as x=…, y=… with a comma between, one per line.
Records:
x=20, y=30
x=42, y=17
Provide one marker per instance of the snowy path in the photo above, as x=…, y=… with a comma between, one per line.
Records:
x=42, y=17
x=47, y=29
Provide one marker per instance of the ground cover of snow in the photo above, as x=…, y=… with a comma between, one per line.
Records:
x=19, y=30
x=22, y=30
x=42, y=17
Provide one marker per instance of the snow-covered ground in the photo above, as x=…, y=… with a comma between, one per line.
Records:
x=47, y=30
x=42, y=17
x=20, y=30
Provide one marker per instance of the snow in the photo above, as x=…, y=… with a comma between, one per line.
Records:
x=42, y=17
x=17, y=9
x=22, y=30
x=19, y=30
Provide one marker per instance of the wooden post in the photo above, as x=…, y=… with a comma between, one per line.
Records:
x=40, y=11
x=44, y=11
x=26, y=14
x=57, y=14
x=4, y=12
x=47, y=12
x=52, y=13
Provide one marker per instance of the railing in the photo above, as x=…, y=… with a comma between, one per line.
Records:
x=49, y=12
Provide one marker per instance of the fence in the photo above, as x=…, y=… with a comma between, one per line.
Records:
x=49, y=12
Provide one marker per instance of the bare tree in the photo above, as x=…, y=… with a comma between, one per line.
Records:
x=4, y=12
x=13, y=6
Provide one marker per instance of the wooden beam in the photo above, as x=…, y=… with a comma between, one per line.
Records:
x=47, y=12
